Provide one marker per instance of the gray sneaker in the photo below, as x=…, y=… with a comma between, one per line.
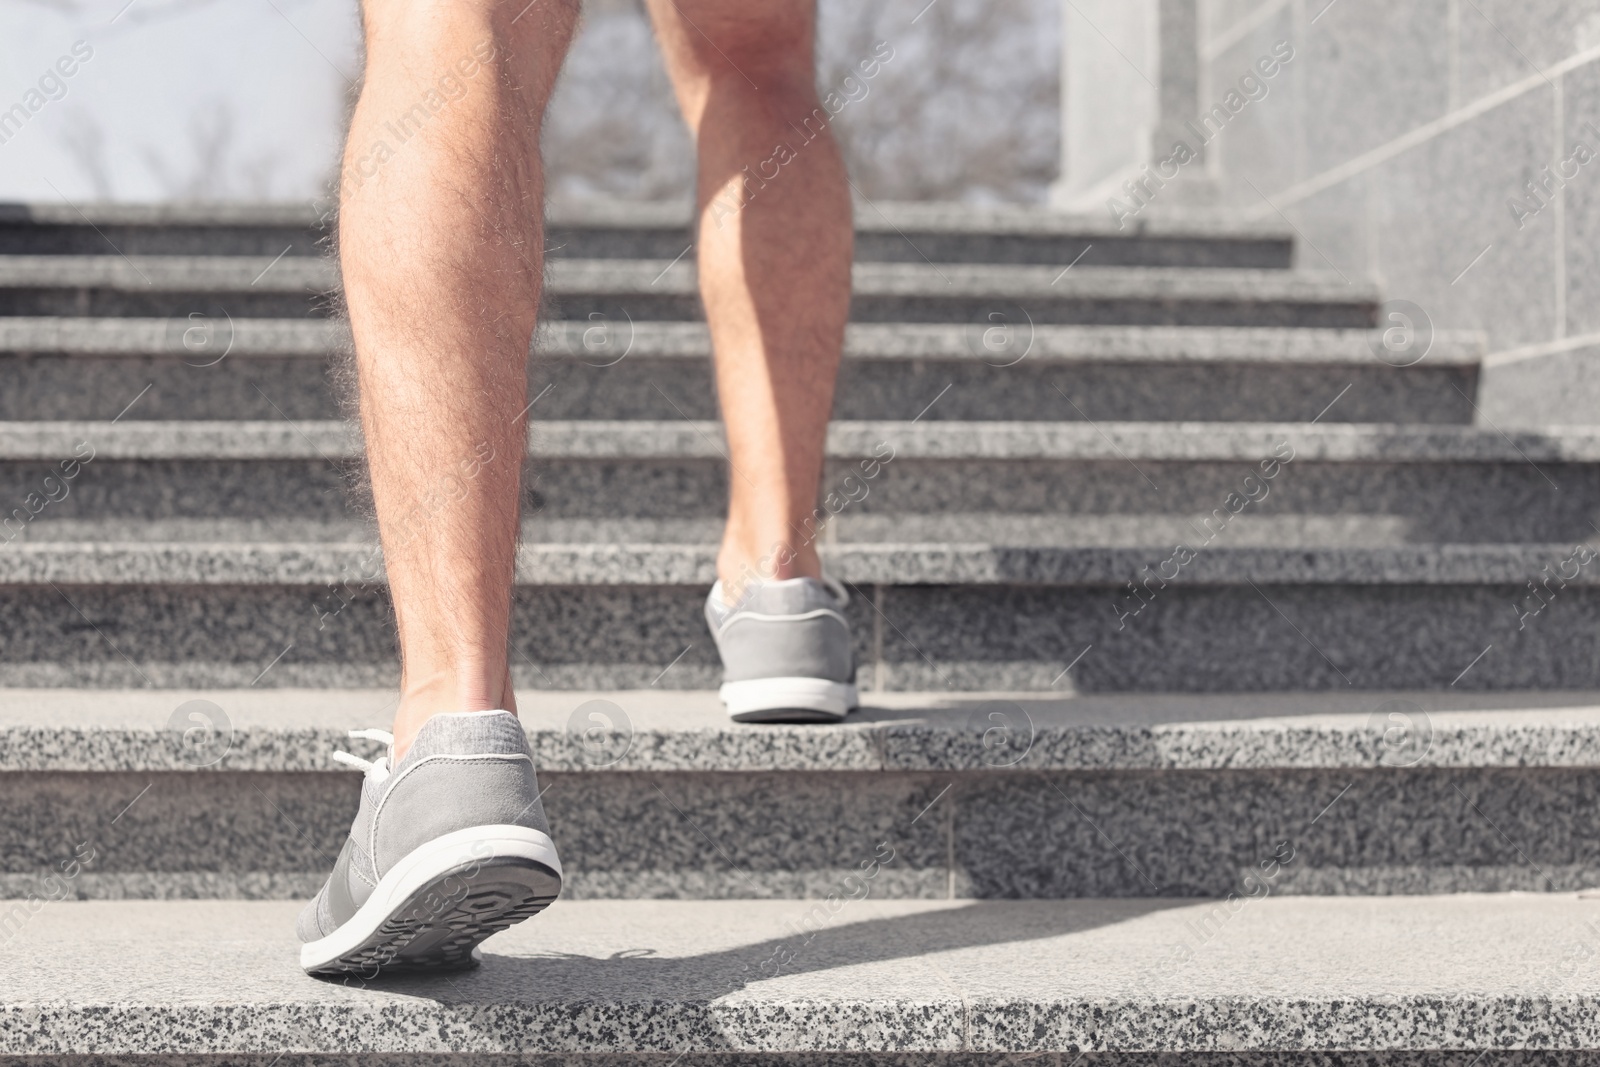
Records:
x=448, y=847
x=786, y=651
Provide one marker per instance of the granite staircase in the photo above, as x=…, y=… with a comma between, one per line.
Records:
x=1230, y=684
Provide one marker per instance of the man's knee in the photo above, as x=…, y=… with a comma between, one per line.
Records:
x=768, y=42
x=524, y=36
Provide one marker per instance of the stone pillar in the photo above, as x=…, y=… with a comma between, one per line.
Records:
x=1180, y=73
x=1182, y=82
x=1130, y=77
x=1110, y=73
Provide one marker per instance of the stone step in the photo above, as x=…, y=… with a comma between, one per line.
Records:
x=233, y=793
x=874, y=546
x=1423, y=982
x=155, y=561
x=619, y=291
x=690, y=439
x=1017, y=484
x=947, y=617
x=84, y=368
x=659, y=731
x=941, y=233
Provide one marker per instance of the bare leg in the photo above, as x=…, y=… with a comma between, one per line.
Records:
x=441, y=246
x=774, y=252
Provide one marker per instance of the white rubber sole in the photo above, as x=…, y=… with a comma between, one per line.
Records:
x=433, y=908
x=789, y=700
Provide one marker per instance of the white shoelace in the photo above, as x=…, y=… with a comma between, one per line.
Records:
x=377, y=769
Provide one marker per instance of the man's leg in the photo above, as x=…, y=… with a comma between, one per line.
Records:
x=440, y=233
x=441, y=242
x=774, y=251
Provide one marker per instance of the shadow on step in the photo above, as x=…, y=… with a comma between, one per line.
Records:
x=819, y=942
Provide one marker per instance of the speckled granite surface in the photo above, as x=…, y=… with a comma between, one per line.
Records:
x=657, y=288
x=655, y=795
x=661, y=370
x=1286, y=1058
x=644, y=277
x=688, y=340
x=1463, y=973
x=42, y=335
x=909, y=638
x=325, y=523
x=636, y=836
x=655, y=730
x=995, y=281
x=180, y=274
x=1062, y=503
x=998, y=834
x=597, y=439
x=625, y=214
x=140, y=562
x=603, y=212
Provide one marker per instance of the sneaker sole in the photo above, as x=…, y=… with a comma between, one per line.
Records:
x=430, y=912
x=789, y=700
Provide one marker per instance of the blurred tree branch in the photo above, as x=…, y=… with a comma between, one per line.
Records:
x=968, y=109
x=84, y=139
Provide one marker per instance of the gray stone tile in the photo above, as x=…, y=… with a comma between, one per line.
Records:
x=680, y=441
x=746, y=835
x=89, y=387
x=1418, y=220
x=149, y=534
x=1506, y=41
x=1200, y=639
x=1431, y=502
x=258, y=834
x=919, y=981
x=1339, y=234
x=1444, y=202
x=661, y=730
x=1109, y=837
x=675, y=488
x=1358, y=93
x=1363, y=620
x=1008, y=733
x=168, y=636
x=288, y=493
x=806, y=834
x=1352, y=831
x=1111, y=374
x=1581, y=208
x=618, y=732
x=1107, y=392
x=1560, y=388
x=245, y=834
x=174, y=287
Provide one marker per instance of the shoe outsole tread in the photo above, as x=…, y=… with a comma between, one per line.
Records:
x=789, y=715
x=439, y=925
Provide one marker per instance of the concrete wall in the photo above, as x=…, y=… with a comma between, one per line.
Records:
x=1399, y=141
